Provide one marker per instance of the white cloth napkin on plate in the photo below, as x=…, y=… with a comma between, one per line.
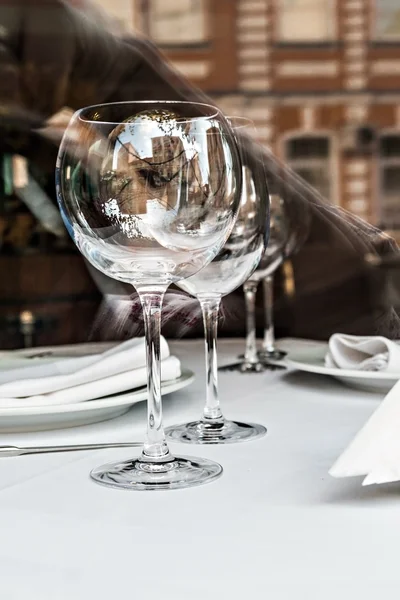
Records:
x=375, y=450
x=363, y=353
x=66, y=380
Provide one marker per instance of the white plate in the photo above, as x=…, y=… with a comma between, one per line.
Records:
x=311, y=360
x=40, y=418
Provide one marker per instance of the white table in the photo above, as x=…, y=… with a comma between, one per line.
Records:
x=275, y=526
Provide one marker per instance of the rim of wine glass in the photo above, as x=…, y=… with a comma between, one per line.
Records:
x=216, y=112
x=242, y=122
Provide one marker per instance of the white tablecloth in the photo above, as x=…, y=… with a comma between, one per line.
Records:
x=275, y=525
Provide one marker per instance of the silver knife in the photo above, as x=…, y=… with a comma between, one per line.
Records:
x=7, y=451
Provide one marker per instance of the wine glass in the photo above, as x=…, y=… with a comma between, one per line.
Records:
x=229, y=269
x=150, y=191
x=272, y=258
x=268, y=350
x=298, y=224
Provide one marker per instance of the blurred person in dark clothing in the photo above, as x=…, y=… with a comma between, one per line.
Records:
x=54, y=56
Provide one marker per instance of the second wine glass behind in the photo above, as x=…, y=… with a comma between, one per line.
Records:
x=270, y=261
x=232, y=266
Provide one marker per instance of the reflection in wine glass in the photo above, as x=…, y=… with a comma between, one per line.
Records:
x=150, y=191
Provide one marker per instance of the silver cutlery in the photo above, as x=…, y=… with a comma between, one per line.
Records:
x=7, y=451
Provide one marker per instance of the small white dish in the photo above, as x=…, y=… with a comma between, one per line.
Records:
x=41, y=418
x=311, y=359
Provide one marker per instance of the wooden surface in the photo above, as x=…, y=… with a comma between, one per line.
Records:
x=56, y=288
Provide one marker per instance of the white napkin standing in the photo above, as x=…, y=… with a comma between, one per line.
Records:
x=363, y=353
x=42, y=382
x=375, y=450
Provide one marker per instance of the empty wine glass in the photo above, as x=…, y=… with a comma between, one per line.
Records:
x=268, y=350
x=229, y=269
x=150, y=191
x=298, y=224
x=272, y=258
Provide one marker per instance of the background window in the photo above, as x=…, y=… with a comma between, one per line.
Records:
x=390, y=181
x=306, y=20
x=310, y=157
x=387, y=19
x=119, y=14
x=174, y=22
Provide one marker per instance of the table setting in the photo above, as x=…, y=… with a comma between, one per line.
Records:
x=369, y=363
x=131, y=467
x=64, y=386
x=284, y=509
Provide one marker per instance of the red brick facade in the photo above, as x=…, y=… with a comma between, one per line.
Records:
x=345, y=89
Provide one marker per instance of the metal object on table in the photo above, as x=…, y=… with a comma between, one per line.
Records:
x=9, y=451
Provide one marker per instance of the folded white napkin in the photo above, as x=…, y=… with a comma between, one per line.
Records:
x=369, y=353
x=375, y=450
x=66, y=380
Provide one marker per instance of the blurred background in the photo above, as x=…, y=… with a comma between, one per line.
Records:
x=320, y=79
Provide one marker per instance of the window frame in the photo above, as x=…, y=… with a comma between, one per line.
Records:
x=320, y=42
x=382, y=163
x=391, y=39
x=332, y=160
x=187, y=44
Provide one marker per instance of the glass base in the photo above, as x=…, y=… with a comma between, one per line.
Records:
x=271, y=354
x=180, y=472
x=226, y=432
x=249, y=367
x=252, y=367
x=244, y=367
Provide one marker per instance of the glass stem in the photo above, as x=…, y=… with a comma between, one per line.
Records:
x=210, y=310
x=155, y=449
x=250, y=291
x=269, y=335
